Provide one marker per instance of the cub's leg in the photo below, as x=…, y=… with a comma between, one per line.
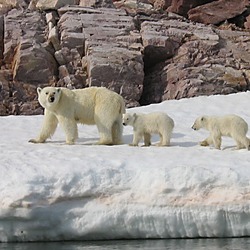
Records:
x=136, y=139
x=217, y=141
x=242, y=142
x=208, y=141
x=165, y=141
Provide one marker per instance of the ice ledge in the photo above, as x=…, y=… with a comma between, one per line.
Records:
x=82, y=220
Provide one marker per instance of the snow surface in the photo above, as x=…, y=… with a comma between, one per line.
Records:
x=54, y=191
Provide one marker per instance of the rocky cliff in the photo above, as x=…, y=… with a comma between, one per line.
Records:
x=147, y=51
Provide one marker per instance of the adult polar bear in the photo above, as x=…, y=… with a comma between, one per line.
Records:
x=227, y=125
x=93, y=105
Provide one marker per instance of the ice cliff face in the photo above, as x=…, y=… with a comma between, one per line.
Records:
x=113, y=199
x=113, y=216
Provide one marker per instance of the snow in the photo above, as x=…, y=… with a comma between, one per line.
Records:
x=54, y=191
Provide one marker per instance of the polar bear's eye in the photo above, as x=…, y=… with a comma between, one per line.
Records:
x=46, y=93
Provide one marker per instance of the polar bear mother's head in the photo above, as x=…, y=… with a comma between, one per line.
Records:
x=48, y=97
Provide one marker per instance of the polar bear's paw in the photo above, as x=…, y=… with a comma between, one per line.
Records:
x=36, y=141
x=108, y=143
x=204, y=143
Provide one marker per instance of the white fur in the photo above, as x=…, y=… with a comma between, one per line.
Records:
x=147, y=124
x=94, y=105
x=218, y=126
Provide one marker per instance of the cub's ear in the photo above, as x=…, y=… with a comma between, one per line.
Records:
x=39, y=90
x=203, y=118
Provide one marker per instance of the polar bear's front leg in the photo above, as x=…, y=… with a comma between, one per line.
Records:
x=136, y=139
x=215, y=140
x=48, y=128
x=70, y=128
x=216, y=137
x=208, y=141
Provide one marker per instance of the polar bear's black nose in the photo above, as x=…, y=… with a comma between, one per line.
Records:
x=51, y=98
x=124, y=124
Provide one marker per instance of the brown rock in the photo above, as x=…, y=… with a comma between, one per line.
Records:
x=33, y=64
x=183, y=6
x=54, y=4
x=247, y=23
x=134, y=6
x=116, y=68
x=202, y=64
x=97, y=3
x=161, y=4
x=54, y=39
x=1, y=38
x=107, y=41
x=147, y=56
x=217, y=11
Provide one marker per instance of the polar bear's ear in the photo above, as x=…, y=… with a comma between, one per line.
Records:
x=39, y=90
x=203, y=118
x=134, y=115
x=58, y=90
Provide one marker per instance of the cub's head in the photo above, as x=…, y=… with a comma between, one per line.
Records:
x=128, y=119
x=199, y=123
x=48, y=97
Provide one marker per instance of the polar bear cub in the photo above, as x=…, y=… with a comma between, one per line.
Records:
x=146, y=124
x=227, y=125
x=93, y=105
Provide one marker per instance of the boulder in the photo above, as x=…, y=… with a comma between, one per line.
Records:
x=217, y=11
x=97, y=3
x=12, y=34
x=247, y=23
x=182, y=7
x=116, y=68
x=6, y=5
x=33, y=64
x=26, y=51
x=161, y=4
x=53, y=4
x=133, y=6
